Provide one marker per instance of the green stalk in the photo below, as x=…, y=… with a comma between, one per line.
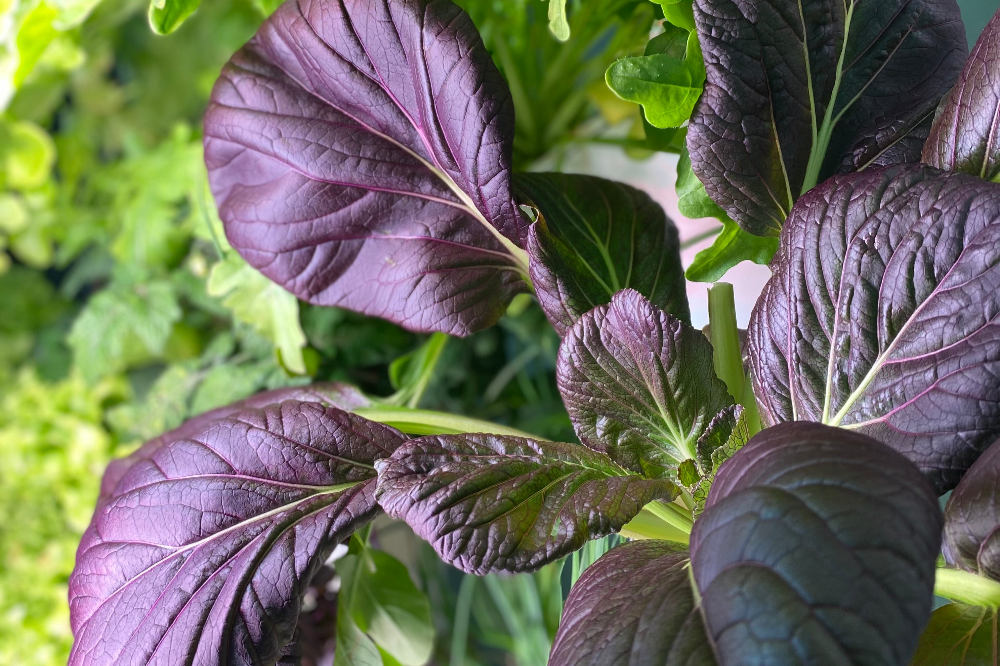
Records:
x=460, y=632
x=727, y=354
x=646, y=525
x=427, y=422
x=967, y=588
x=672, y=514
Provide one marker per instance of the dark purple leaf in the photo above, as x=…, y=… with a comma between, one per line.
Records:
x=817, y=546
x=203, y=547
x=639, y=384
x=633, y=607
x=972, y=518
x=966, y=134
x=501, y=503
x=883, y=315
x=360, y=153
x=595, y=237
x=798, y=91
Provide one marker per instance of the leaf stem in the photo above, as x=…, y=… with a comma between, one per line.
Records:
x=727, y=353
x=672, y=514
x=648, y=526
x=460, y=631
x=967, y=587
x=428, y=422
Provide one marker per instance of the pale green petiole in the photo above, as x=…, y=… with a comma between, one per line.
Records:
x=967, y=588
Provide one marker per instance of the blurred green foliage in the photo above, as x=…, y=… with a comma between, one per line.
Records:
x=123, y=310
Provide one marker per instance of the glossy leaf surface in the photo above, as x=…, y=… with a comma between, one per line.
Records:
x=639, y=384
x=501, y=503
x=965, y=135
x=972, y=518
x=360, y=153
x=799, y=91
x=667, y=84
x=595, y=237
x=882, y=315
x=201, y=549
x=633, y=607
x=959, y=635
x=817, y=546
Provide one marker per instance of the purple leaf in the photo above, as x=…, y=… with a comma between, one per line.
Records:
x=972, y=518
x=501, y=503
x=799, y=90
x=595, y=237
x=203, y=547
x=360, y=154
x=816, y=543
x=331, y=394
x=817, y=546
x=639, y=384
x=883, y=315
x=965, y=135
x=633, y=607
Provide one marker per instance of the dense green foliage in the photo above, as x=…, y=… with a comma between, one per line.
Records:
x=125, y=312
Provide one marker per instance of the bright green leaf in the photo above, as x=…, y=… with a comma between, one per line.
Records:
x=557, y=19
x=164, y=20
x=33, y=38
x=667, y=87
x=388, y=606
x=731, y=247
x=255, y=300
x=123, y=326
x=27, y=153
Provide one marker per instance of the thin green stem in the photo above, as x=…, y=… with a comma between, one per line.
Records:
x=967, y=588
x=427, y=422
x=460, y=630
x=727, y=353
x=694, y=240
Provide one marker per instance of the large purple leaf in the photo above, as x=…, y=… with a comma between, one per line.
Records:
x=502, y=503
x=593, y=238
x=817, y=546
x=883, y=315
x=331, y=394
x=799, y=90
x=966, y=134
x=203, y=547
x=972, y=518
x=639, y=384
x=359, y=153
x=633, y=607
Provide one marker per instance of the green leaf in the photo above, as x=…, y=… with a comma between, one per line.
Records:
x=489, y=503
x=557, y=20
x=959, y=635
x=732, y=246
x=164, y=20
x=255, y=300
x=411, y=373
x=388, y=607
x=27, y=154
x=123, y=326
x=666, y=86
x=33, y=37
x=354, y=648
x=692, y=199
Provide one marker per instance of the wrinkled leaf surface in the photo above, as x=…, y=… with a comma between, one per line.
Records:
x=200, y=551
x=500, y=503
x=882, y=315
